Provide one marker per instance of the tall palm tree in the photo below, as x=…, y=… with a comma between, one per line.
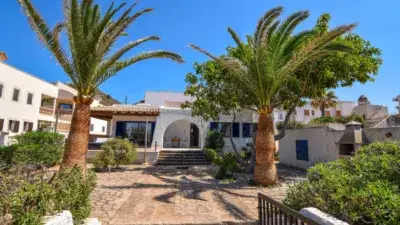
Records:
x=266, y=63
x=90, y=61
x=328, y=99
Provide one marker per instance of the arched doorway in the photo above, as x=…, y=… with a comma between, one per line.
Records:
x=182, y=134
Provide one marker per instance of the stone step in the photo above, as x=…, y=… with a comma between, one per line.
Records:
x=190, y=157
x=182, y=163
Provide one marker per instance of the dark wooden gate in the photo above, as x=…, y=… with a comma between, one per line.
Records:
x=271, y=212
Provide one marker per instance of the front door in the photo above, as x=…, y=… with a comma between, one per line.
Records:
x=194, y=135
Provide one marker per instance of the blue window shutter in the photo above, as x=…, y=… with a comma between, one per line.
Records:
x=246, y=130
x=302, y=150
x=235, y=128
x=120, y=129
x=213, y=126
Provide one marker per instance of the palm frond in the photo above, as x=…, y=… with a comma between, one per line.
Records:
x=120, y=65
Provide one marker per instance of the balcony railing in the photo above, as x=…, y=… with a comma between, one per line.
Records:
x=65, y=111
x=46, y=111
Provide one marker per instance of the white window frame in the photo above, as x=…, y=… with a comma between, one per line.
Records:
x=8, y=125
x=19, y=94
x=27, y=121
x=27, y=96
x=3, y=91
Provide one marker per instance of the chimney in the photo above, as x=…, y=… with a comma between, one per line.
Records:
x=3, y=56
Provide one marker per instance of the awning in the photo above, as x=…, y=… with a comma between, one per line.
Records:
x=107, y=112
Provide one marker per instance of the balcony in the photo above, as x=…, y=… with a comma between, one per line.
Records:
x=65, y=111
x=46, y=111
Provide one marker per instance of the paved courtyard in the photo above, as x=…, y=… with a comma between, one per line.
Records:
x=167, y=195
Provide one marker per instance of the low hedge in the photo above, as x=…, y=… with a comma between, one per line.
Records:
x=29, y=195
x=35, y=147
x=364, y=189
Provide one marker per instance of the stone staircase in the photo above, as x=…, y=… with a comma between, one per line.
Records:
x=182, y=157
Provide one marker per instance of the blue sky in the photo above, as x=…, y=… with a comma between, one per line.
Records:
x=205, y=22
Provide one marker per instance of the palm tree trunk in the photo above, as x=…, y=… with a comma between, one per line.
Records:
x=265, y=170
x=322, y=110
x=78, y=139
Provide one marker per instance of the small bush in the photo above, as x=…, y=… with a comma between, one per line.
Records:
x=29, y=195
x=215, y=140
x=360, y=190
x=291, y=125
x=115, y=152
x=322, y=120
x=36, y=147
x=227, y=166
x=349, y=118
x=210, y=154
x=73, y=192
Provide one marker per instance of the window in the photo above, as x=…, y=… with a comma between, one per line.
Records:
x=15, y=97
x=28, y=126
x=135, y=131
x=338, y=113
x=103, y=129
x=327, y=113
x=1, y=90
x=65, y=106
x=29, y=100
x=248, y=129
x=280, y=116
x=302, y=150
x=91, y=127
x=307, y=112
x=312, y=113
x=225, y=128
x=13, y=126
x=1, y=124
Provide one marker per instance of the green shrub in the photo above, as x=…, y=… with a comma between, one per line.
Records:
x=73, y=192
x=227, y=165
x=29, y=195
x=360, y=190
x=37, y=147
x=215, y=140
x=6, y=154
x=293, y=124
x=210, y=154
x=115, y=152
x=322, y=120
x=349, y=118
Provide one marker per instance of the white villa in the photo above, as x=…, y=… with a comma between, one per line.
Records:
x=29, y=103
x=169, y=126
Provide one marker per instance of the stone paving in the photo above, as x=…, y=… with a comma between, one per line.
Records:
x=167, y=195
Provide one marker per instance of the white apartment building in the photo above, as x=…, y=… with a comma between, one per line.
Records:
x=307, y=112
x=29, y=103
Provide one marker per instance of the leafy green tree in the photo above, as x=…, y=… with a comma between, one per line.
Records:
x=324, y=101
x=91, y=37
x=262, y=68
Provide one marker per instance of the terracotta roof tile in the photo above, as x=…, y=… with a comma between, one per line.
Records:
x=126, y=109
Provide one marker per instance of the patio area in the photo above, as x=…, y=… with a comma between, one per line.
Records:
x=167, y=195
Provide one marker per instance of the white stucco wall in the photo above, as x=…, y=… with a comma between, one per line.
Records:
x=322, y=146
x=180, y=129
x=170, y=115
x=158, y=98
x=382, y=134
x=12, y=78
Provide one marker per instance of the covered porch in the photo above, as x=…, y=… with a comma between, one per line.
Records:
x=181, y=134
